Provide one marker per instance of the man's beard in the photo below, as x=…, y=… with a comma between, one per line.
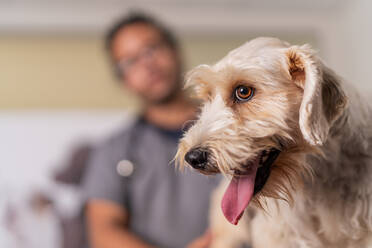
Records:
x=168, y=98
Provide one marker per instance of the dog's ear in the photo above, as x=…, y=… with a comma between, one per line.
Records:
x=197, y=79
x=323, y=98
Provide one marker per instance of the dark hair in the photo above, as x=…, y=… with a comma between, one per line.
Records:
x=136, y=17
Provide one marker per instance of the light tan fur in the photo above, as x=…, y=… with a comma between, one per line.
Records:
x=319, y=190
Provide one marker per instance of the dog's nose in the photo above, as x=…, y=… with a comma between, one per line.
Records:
x=197, y=158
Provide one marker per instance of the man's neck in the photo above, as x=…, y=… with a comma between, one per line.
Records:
x=171, y=115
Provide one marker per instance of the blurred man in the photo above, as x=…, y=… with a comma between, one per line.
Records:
x=135, y=198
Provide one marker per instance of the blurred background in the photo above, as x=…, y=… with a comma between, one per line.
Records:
x=58, y=95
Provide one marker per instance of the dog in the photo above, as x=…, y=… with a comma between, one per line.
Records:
x=294, y=143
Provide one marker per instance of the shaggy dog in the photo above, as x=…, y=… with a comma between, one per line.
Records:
x=293, y=140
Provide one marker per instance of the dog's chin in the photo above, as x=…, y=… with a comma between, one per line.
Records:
x=246, y=181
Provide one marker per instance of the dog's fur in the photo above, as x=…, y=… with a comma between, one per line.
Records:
x=319, y=193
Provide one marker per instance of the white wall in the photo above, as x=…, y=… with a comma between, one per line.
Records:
x=35, y=143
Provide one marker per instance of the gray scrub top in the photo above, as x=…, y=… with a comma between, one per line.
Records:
x=167, y=208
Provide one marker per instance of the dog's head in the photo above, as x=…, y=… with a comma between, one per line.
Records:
x=266, y=104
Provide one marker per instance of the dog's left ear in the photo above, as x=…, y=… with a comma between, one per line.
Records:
x=323, y=98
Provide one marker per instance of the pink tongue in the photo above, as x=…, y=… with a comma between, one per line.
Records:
x=238, y=195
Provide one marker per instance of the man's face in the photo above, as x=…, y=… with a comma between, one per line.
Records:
x=149, y=67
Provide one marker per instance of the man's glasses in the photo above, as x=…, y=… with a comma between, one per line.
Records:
x=125, y=65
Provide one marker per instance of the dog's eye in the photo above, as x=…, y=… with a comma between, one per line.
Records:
x=243, y=93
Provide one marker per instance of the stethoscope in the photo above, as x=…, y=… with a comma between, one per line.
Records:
x=127, y=167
